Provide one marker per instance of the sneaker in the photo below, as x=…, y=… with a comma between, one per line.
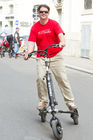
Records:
x=74, y=110
x=41, y=105
x=72, y=107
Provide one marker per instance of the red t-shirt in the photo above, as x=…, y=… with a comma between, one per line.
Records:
x=46, y=35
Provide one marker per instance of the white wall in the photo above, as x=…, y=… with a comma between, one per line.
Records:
x=71, y=25
x=71, y=15
x=23, y=12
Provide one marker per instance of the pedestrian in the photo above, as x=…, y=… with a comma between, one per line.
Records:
x=16, y=41
x=9, y=36
x=46, y=32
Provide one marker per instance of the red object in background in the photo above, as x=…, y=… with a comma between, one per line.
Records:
x=6, y=43
x=1, y=48
x=1, y=44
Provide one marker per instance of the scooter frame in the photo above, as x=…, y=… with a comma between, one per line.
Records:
x=54, y=121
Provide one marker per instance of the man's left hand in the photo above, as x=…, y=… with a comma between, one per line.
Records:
x=61, y=44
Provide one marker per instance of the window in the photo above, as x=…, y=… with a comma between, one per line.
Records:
x=88, y=4
x=0, y=26
x=58, y=4
x=1, y=9
x=59, y=1
x=35, y=12
x=11, y=9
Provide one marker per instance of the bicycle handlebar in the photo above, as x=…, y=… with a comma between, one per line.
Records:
x=43, y=52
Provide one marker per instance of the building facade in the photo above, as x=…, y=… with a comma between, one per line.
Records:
x=22, y=14
x=77, y=21
x=75, y=17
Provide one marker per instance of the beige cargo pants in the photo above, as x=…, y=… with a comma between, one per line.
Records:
x=57, y=67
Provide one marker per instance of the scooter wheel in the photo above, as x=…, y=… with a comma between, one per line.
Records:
x=43, y=117
x=75, y=119
x=42, y=113
x=57, y=129
x=75, y=116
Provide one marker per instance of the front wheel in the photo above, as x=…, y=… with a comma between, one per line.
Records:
x=57, y=129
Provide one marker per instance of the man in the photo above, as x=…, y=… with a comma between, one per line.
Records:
x=47, y=32
x=7, y=31
x=16, y=41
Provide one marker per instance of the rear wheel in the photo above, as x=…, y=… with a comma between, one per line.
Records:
x=75, y=116
x=43, y=117
x=43, y=114
x=75, y=119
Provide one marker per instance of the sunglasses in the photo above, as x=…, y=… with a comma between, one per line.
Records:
x=43, y=12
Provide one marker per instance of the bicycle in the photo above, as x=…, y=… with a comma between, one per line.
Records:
x=6, y=46
x=54, y=121
x=2, y=48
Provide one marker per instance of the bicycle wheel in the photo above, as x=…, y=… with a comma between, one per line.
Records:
x=1, y=54
x=57, y=129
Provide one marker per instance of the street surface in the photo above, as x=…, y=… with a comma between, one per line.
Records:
x=19, y=119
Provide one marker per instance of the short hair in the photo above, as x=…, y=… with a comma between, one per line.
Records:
x=6, y=25
x=43, y=5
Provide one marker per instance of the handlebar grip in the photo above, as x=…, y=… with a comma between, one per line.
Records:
x=56, y=45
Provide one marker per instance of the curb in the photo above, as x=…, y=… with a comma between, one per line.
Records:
x=79, y=69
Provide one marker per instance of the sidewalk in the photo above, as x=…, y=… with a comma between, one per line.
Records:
x=81, y=64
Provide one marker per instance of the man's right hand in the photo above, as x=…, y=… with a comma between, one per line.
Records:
x=30, y=48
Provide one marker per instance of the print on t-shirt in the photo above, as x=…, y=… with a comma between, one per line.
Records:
x=45, y=31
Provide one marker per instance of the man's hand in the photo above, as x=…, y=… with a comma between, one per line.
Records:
x=62, y=40
x=30, y=48
x=61, y=44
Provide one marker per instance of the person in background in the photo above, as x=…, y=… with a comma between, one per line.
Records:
x=16, y=41
x=9, y=36
x=46, y=32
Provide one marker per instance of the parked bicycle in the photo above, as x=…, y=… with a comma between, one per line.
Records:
x=2, y=47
